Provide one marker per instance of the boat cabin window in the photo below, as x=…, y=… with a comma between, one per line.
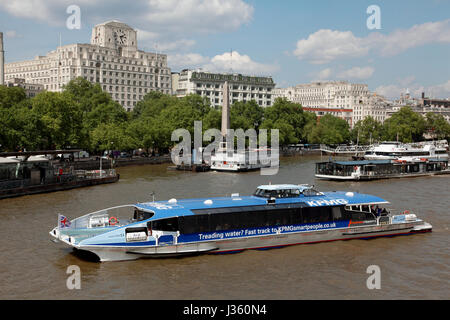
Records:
x=207, y=220
x=140, y=215
x=336, y=213
x=170, y=225
x=311, y=192
x=361, y=212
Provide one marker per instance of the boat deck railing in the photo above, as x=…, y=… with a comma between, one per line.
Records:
x=344, y=149
x=65, y=177
x=94, y=174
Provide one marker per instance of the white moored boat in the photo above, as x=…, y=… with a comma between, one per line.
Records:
x=237, y=161
x=407, y=152
x=274, y=216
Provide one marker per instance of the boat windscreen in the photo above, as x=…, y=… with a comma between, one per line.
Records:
x=281, y=193
x=140, y=215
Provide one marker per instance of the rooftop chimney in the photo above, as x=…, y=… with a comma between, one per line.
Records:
x=2, y=61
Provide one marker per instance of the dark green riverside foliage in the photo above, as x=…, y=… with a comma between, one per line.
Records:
x=84, y=116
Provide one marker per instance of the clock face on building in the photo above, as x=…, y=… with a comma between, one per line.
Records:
x=120, y=37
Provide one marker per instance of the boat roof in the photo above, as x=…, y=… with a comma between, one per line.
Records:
x=15, y=159
x=376, y=162
x=362, y=162
x=187, y=207
x=8, y=160
x=271, y=187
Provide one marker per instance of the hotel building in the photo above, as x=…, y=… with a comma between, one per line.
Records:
x=210, y=85
x=349, y=101
x=112, y=60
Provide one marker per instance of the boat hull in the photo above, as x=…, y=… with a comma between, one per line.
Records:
x=366, y=177
x=273, y=240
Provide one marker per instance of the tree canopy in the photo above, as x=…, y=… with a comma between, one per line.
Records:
x=367, y=131
x=84, y=116
x=404, y=125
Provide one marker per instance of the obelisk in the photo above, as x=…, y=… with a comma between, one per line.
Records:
x=2, y=61
x=225, y=111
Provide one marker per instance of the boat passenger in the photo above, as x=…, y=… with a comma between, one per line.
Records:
x=377, y=211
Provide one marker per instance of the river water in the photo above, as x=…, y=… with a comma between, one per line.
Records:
x=411, y=267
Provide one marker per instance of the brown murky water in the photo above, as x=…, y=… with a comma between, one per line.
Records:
x=412, y=267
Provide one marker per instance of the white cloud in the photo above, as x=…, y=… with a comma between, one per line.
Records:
x=323, y=74
x=49, y=11
x=160, y=16
x=326, y=45
x=390, y=91
x=225, y=62
x=238, y=63
x=440, y=90
x=144, y=35
x=182, y=45
x=435, y=91
x=162, y=25
x=416, y=36
x=357, y=73
x=406, y=80
x=152, y=41
x=12, y=34
x=189, y=60
x=198, y=16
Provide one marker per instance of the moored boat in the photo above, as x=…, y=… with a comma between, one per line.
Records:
x=389, y=150
x=274, y=216
x=28, y=173
x=239, y=161
x=380, y=169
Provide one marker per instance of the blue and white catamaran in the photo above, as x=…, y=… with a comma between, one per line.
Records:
x=274, y=216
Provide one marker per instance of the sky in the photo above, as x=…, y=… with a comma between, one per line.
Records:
x=400, y=45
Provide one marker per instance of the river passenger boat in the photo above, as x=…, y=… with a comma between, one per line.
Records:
x=239, y=161
x=380, y=169
x=274, y=216
x=33, y=172
x=396, y=150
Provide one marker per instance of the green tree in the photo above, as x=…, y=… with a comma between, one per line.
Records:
x=330, y=130
x=111, y=136
x=152, y=104
x=367, y=131
x=310, y=124
x=59, y=120
x=437, y=126
x=284, y=112
x=10, y=132
x=246, y=115
x=10, y=96
x=404, y=125
x=286, y=131
x=97, y=110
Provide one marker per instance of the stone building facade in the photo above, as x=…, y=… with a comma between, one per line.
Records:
x=349, y=101
x=112, y=60
x=210, y=85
